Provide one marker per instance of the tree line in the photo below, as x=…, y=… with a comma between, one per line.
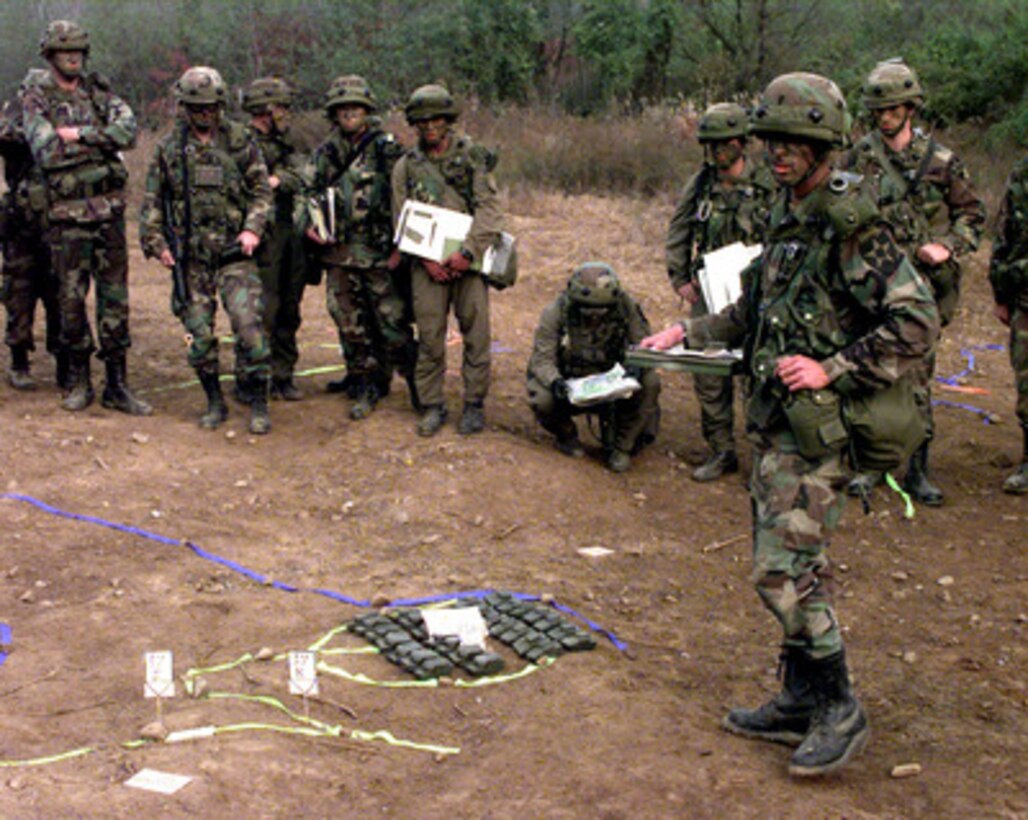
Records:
x=581, y=56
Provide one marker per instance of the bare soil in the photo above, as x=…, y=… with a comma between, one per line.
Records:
x=934, y=607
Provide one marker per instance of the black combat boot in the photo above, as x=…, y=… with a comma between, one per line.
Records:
x=217, y=410
x=431, y=420
x=786, y=717
x=80, y=384
x=347, y=385
x=242, y=390
x=117, y=396
x=472, y=420
x=19, y=376
x=62, y=374
x=367, y=398
x=839, y=730
x=284, y=388
x=260, y=421
x=716, y=466
x=916, y=481
x=1017, y=482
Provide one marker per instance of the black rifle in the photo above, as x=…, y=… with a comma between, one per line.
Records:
x=180, y=295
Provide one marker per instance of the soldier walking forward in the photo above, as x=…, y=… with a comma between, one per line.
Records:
x=833, y=308
x=76, y=127
x=206, y=203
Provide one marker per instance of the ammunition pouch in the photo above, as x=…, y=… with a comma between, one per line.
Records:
x=885, y=426
x=815, y=419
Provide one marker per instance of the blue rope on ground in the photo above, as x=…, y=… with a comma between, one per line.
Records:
x=954, y=381
x=262, y=579
x=5, y=642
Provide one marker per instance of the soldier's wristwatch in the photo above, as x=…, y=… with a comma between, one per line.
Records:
x=467, y=254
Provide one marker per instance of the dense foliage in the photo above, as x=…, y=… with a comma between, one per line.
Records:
x=585, y=56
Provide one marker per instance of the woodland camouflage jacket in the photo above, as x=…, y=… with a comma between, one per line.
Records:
x=227, y=187
x=1008, y=270
x=833, y=285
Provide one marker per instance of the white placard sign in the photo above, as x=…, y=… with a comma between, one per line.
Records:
x=720, y=277
x=152, y=780
x=160, y=675
x=466, y=623
x=303, y=673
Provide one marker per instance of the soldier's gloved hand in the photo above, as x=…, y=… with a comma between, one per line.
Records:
x=459, y=261
x=436, y=271
x=559, y=388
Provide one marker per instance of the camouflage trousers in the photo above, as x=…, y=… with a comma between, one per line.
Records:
x=1019, y=354
x=796, y=506
x=240, y=292
x=370, y=318
x=27, y=281
x=468, y=296
x=282, y=271
x=80, y=252
x=632, y=417
x=716, y=396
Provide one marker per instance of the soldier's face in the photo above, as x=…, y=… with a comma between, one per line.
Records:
x=262, y=121
x=726, y=153
x=352, y=119
x=433, y=132
x=68, y=63
x=891, y=121
x=791, y=162
x=281, y=116
x=203, y=118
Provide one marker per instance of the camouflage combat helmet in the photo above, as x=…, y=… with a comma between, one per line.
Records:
x=264, y=92
x=201, y=85
x=350, y=89
x=723, y=121
x=63, y=35
x=594, y=284
x=890, y=83
x=802, y=105
x=429, y=102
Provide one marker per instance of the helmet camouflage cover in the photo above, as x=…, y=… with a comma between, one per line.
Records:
x=429, y=102
x=890, y=83
x=594, y=284
x=802, y=105
x=264, y=92
x=350, y=89
x=63, y=35
x=201, y=85
x=723, y=121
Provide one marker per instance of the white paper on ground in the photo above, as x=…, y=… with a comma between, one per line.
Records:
x=152, y=780
x=595, y=552
x=466, y=623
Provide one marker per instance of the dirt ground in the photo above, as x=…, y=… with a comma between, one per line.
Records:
x=934, y=607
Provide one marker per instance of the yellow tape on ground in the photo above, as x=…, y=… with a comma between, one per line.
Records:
x=42, y=761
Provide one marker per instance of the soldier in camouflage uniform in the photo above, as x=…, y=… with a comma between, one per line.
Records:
x=206, y=203
x=918, y=181
x=449, y=170
x=726, y=201
x=832, y=309
x=280, y=258
x=27, y=276
x=1008, y=275
x=584, y=331
x=355, y=166
x=76, y=128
